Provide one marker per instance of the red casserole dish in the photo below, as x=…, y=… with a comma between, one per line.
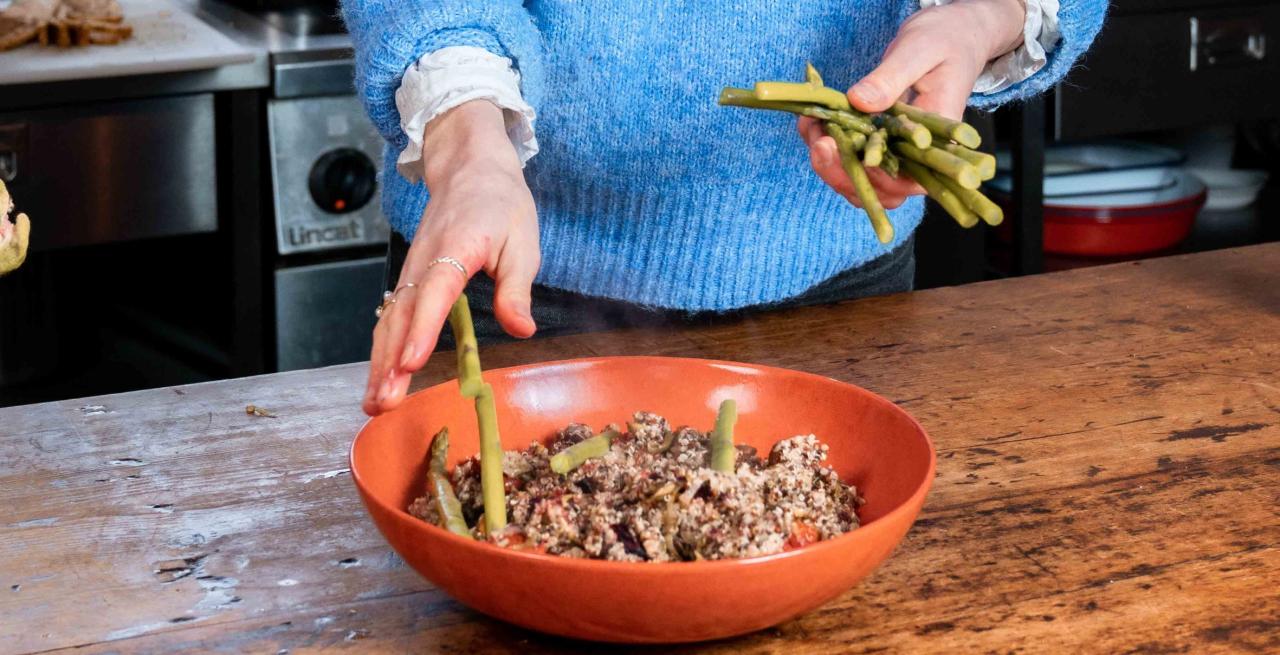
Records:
x=1118, y=224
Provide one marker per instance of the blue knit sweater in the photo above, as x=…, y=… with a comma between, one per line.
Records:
x=647, y=191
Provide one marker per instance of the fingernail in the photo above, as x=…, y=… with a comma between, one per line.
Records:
x=410, y=350
x=866, y=93
x=823, y=156
x=384, y=390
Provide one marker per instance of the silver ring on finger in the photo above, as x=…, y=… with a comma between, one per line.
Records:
x=450, y=261
x=389, y=299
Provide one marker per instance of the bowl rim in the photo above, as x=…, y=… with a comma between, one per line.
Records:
x=558, y=561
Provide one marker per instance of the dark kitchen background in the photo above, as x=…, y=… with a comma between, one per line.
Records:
x=222, y=220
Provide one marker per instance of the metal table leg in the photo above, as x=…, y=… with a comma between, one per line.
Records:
x=1028, y=187
x=241, y=134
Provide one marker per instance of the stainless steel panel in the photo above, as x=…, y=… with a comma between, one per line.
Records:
x=324, y=312
x=114, y=171
x=299, y=74
x=301, y=132
x=1173, y=69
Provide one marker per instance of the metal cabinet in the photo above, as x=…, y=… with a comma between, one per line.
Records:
x=113, y=171
x=1174, y=68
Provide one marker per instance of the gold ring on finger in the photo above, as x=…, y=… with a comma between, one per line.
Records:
x=450, y=261
x=389, y=299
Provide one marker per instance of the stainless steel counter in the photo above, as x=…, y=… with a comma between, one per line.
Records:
x=287, y=42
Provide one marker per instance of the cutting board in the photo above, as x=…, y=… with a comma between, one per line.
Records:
x=166, y=38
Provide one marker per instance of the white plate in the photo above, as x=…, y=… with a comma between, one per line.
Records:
x=1098, y=156
x=1065, y=186
x=1103, y=167
x=1230, y=189
x=1182, y=185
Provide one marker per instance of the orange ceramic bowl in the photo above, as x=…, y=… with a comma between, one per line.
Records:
x=874, y=444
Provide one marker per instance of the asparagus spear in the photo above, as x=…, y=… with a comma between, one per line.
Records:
x=873, y=153
x=985, y=163
x=979, y=204
x=734, y=97
x=473, y=386
x=723, y=453
x=857, y=142
x=574, y=456
x=812, y=76
x=442, y=494
x=941, y=126
x=942, y=162
x=941, y=194
x=904, y=128
x=890, y=163
x=862, y=184
x=803, y=92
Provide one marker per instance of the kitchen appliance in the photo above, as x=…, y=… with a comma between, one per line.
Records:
x=328, y=262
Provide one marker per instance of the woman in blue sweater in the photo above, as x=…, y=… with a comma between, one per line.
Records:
x=646, y=200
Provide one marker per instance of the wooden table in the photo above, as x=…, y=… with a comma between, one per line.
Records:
x=1108, y=481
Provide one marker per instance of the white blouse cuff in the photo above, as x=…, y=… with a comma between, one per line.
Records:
x=1039, y=37
x=445, y=78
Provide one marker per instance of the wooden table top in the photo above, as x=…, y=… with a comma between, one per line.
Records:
x=1108, y=480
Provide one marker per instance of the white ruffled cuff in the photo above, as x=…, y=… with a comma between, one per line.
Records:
x=1040, y=35
x=448, y=77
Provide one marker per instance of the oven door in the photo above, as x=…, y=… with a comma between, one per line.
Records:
x=324, y=312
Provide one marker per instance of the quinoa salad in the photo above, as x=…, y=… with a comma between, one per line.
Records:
x=650, y=494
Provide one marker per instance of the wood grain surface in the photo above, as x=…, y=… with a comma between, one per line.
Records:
x=1108, y=481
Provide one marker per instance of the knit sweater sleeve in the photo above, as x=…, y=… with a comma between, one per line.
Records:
x=1078, y=22
x=390, y=35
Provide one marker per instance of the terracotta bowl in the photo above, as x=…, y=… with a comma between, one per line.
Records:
x=874, y=445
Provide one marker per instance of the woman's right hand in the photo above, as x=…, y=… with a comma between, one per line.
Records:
x=481, y=214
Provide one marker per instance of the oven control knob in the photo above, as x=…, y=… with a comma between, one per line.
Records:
x=342, y=180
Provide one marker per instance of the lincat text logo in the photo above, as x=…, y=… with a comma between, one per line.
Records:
x=308, y=236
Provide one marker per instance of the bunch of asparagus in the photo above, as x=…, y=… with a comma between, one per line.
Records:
x=937, y=152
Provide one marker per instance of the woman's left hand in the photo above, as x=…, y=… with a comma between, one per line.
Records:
x=937, y=55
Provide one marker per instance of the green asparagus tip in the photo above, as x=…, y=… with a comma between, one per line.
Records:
x=812, y=76
x=576, y=455
x=723, y=453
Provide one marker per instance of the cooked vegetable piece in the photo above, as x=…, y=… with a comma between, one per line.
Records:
x=472, y=385
x=812, y=76
x=441, y=490
x=668, y=440
x=873, y=152
x=906, y=129
x=803, y=92
x=944, y=128
x=723, y=454
x=942, y=162
x=734, y=97
x=14, y=236
x=574, y=456
x=933, y=186
x=985, y=163
x=890, y=163
x=979, y=204
x=802, y=534
x=862, y=184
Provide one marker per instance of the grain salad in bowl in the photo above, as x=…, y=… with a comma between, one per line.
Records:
x=649, y=492
x=551, y=504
